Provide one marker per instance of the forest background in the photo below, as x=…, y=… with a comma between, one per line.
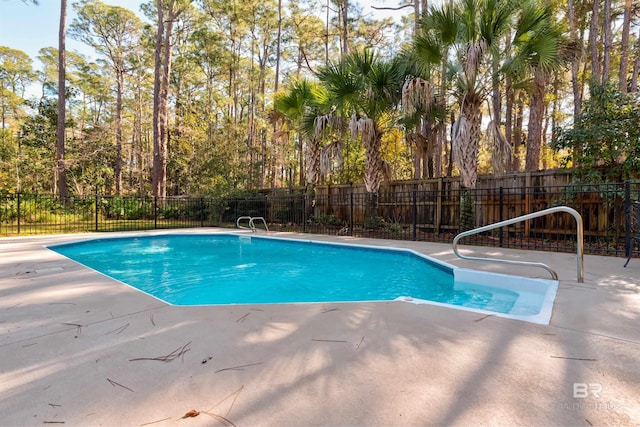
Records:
x=221, y=97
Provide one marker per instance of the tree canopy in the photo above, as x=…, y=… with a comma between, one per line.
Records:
x=468, y=87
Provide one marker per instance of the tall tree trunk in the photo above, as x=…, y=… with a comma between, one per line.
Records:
x=345, y=27
x=326, y=35
x=440, y=141
x=517, y=132
x=118, y=166
x=160, y=156
x=593, y=42
x=138, y=136
x=606, y=51
x=164, y=97
x=416, y=16
x=536, y=116
x=508, y=119
x=496, y=100
x=417, y=162
x=61, y=169
x=575, y=63
x=624, y=47
x=441, y=127
x=278, y=46
x=449, y=148
x=251, y=132
x=636, y=67
x=159, y=159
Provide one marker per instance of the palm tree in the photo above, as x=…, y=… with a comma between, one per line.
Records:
x=424, y=99
x=303, y=99
x=464, y=39
x=367, y=89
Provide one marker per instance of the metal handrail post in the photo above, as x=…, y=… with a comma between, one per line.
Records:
x=579, y=243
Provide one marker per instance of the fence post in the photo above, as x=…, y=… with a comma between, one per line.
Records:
x=438, y=219
x=304, y=214
x=97, y=204
x=527, y=202
x=19, y=213
x=415, y=215
x=201, y=212
x=350, y=208
x=627, y=218
x=155, y=212
x=235, y=209
x=500, y=214
x=266, y=208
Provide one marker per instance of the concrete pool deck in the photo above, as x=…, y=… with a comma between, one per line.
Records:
x=77, y=348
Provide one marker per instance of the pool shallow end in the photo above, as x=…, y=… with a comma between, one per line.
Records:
x=534, y=292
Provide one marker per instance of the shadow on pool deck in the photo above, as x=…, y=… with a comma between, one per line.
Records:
x=80, y=348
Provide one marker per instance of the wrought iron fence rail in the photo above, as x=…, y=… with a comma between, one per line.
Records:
x=429, y=215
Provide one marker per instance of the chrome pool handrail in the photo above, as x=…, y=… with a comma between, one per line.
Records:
x=240, y=218
x=251, y=220
x=253, y=226
x=554, y=275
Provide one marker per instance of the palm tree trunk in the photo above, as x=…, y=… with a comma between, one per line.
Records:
x=372, y=177
x=467, y=151
x=536, y=116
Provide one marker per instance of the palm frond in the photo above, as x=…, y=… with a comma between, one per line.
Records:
x=474, y=56
x=327, y=123
x=330, y=153
x=417, y=95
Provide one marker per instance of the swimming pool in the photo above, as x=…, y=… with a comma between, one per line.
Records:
x=204, y=269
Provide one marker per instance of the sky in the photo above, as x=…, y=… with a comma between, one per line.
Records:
x=29, y=28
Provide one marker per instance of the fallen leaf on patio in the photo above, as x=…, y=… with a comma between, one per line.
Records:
x=192, y=413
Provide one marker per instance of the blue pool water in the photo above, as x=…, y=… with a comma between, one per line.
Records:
x=229, y=269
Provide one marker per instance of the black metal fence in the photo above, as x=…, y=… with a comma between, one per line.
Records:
x=435, y=216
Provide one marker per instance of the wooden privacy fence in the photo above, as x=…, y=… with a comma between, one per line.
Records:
x=439, y=209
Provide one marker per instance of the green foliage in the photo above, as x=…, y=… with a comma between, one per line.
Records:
x=326, y=220
x=37, y=209
x=130, y=208
x=8, y=209
x=606, y=137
